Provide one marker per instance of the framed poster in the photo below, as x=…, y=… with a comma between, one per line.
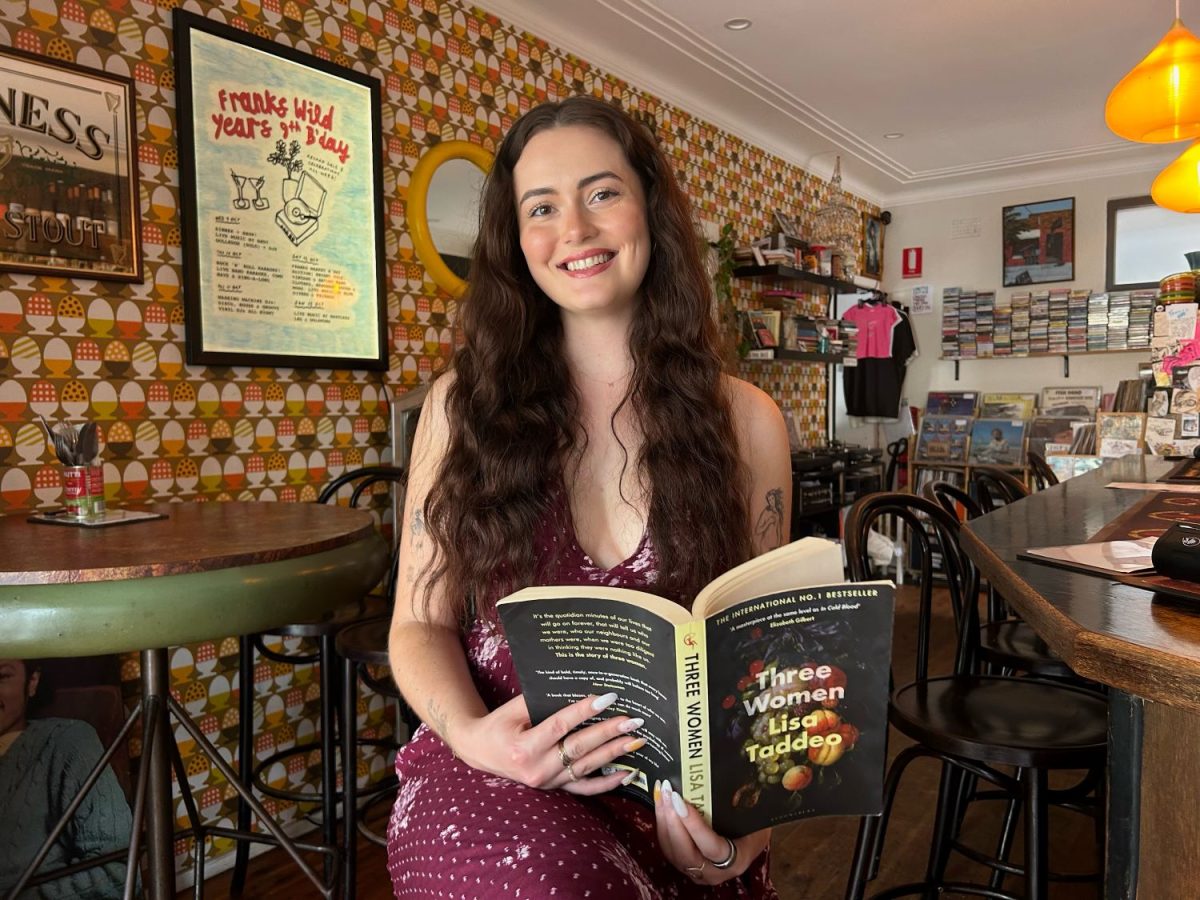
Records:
x=872, y=246
x=1039, y=242
x=69, y=201
x=281, y=165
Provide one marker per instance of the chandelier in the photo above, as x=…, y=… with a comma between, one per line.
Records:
x=836, y=225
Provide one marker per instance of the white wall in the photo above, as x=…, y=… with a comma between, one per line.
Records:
x=974, y=262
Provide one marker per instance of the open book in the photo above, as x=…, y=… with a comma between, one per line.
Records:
x=766, y=703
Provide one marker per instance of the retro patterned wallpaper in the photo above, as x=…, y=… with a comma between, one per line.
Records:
x=114, y=352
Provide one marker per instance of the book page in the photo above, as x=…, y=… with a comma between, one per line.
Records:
x=568, y=646
x=798, y=693
x=1118, y=557
x=804, y=562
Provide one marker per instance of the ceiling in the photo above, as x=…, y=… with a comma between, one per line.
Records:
x=989, y=94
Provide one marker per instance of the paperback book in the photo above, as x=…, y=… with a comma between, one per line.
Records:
x=765, y=703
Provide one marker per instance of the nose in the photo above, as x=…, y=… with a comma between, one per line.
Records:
x=577, y=223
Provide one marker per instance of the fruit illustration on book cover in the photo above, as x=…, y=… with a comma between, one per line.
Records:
x=788, y=729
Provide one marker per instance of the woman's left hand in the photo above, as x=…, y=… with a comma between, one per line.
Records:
x=691, y=846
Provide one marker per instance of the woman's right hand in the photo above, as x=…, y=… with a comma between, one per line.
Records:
x=505, y=742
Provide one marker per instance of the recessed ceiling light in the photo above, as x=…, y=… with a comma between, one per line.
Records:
x=894, y=135
x=738, y=24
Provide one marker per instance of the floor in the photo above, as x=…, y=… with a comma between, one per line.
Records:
x=810, y=859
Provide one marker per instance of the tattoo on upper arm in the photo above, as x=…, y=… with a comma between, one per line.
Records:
x=768, y=531
x=437, y=719
x=418, y=521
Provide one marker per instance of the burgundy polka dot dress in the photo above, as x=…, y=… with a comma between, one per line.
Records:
x=457, y=832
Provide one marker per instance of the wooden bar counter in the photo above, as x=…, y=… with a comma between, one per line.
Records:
x=1144, y=646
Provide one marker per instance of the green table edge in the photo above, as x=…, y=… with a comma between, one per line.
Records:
x=94, y=618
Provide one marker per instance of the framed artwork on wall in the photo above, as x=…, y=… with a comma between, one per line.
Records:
x=1039, y=242
x=281, y=170
x=69, y=201
x=872, y=246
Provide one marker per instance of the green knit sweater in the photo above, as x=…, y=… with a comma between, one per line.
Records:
x=39, y=775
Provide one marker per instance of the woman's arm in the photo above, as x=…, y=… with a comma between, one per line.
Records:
x=429, y=664
x=686, y=839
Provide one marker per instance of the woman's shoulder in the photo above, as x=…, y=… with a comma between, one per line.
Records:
x=757, y=420
x=73, y=730
x=752, y=406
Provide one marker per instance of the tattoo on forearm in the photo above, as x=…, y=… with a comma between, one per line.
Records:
x=768, y=531
x=418, y=521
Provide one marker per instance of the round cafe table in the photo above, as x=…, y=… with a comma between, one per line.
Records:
x=207, y=570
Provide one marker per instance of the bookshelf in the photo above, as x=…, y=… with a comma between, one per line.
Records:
x=1043, y=323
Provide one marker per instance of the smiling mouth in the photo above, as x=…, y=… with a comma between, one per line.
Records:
x=586, y=263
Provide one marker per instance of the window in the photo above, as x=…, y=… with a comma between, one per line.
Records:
x=1146, y=243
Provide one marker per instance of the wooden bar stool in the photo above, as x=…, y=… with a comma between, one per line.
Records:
x=323, y=631
x=361, y=646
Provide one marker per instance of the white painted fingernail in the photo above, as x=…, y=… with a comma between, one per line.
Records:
x=677, y=802
x=628, y=779
x=666, y=787
x=632, y=724
x=604, y=701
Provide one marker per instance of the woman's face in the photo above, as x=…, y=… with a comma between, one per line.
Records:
x=14, y=694
x=581, y=215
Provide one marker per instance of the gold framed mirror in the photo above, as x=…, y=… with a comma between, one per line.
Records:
x=418, y=207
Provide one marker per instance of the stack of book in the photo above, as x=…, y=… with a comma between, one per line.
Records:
x=950, y=322
x=1059, y=317
x=1020, y=323
x=985, y=322
x=1039, y=322
x=1097, y=322
x=1002, y=329
x=1118, y=321
x=967, y=347
x=1077, y=320
x=1141, y=308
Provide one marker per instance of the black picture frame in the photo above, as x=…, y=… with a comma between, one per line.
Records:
x=1038, y=242
x=71, y=199
x=267, y=283
x=872, y=258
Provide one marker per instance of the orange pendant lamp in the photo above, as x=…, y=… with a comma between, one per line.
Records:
x=1159, y=101
x=1177, y=186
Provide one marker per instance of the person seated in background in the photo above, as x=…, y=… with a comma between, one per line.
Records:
x=585, y=434
x=43, y=764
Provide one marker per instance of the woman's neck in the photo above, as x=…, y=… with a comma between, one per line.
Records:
x=597, y=352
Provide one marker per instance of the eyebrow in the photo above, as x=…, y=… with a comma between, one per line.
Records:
x=583, y=182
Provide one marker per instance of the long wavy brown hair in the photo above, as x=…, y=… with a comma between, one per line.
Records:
x=513, y=410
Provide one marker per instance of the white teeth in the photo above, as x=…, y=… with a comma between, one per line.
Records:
x=577, y=265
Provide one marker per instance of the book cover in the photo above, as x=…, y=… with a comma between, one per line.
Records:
x=1070, y=401
x=1007, y=406
x=951, y=403
x=997, y=442
x=767, y=702
x=943, y=439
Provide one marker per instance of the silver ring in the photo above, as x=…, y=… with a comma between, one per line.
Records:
x=571, y=772
x=729, y=860
x=563, y=755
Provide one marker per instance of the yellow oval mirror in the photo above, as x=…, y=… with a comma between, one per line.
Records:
x=418, y=208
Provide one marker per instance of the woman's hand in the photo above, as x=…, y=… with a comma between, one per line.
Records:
x=692, y=846
x=551, y=754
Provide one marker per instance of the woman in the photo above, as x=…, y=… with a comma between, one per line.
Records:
x=43, y=764
x=585, y=409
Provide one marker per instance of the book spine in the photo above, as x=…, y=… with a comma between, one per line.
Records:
x=695, y=749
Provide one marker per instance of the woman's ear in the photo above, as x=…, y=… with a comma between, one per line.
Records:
x=31, y=689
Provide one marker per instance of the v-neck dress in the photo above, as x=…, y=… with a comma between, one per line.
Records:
x=458, y=832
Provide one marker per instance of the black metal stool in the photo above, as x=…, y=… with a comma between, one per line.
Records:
x=359, y=646
x=324, y=631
